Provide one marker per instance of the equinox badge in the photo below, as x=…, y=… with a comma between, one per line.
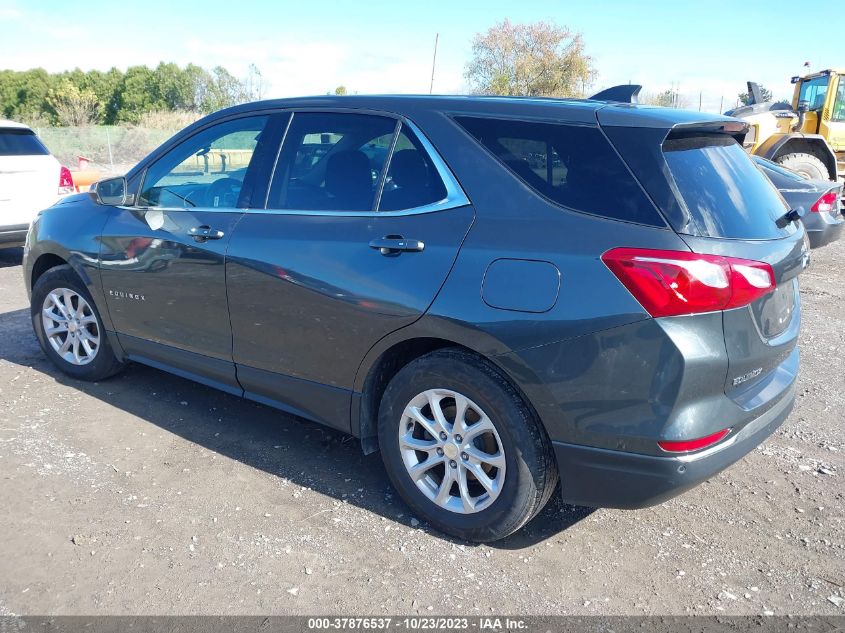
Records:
x=120, y=294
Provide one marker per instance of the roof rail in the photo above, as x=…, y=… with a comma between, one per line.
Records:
x=623, y=93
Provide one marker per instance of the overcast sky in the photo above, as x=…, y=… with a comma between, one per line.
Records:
x=375, y=46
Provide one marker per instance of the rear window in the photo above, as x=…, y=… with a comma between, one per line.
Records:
x=573, y=166
x=20, y=143
x=725, y=194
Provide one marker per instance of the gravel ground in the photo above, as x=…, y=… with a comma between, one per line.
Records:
x=148, y=494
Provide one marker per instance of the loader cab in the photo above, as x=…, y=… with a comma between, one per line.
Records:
x=823, y=96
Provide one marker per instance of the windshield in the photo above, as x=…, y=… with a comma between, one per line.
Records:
x=725, y=194
x=813, y=92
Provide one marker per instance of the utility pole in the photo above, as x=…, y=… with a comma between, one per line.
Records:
x=699, y=100
x=721, y=104
x=433, y=62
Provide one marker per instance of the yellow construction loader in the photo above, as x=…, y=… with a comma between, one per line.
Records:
x=808, y=135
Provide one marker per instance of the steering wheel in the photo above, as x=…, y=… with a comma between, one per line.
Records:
x=223, y=193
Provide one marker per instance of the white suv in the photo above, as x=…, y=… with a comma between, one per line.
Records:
x=31, y=179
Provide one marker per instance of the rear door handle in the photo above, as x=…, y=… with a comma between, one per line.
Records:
x=205, y=233
x=395, y=244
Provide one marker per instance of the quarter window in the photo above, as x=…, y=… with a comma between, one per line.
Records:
x=412, y=179
x=207, y=170
x=573, y=166
x=331, y=161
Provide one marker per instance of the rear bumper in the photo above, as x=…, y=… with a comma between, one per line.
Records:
x=823, y=228
x=14, y=235
x=598, y=477
x=821, y=237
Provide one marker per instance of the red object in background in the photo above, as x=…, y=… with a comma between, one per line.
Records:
x=826, y=203
x=138, y=246
x=84, y=163
x=66, y=181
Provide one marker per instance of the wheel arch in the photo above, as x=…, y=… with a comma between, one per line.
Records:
x=398, y=350
x=42, y=264
x=46, y=255
x=779, y=144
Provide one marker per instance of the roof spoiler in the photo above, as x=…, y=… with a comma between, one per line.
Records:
x=624, y=93
x=736, y=128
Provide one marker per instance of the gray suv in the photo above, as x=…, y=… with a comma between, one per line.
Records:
x=500, y=295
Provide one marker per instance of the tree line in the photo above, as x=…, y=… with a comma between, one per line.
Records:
x=539, y=59
x=111, y=97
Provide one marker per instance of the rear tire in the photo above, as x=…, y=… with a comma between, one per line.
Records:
x=69, y=328
x=504, y=443
x=807, y=165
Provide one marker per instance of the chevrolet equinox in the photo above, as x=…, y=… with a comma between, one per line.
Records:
x=501, y=295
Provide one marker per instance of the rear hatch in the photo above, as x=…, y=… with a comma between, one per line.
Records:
x=29, y=176
x=721, y=204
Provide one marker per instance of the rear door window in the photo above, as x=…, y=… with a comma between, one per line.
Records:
x=21, y=143
x=331, y=161
x=573, y=166
x=724, y=193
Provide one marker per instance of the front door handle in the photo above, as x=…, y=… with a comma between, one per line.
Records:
x=205, y=233
x=395, y=244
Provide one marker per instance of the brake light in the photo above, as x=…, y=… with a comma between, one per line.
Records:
x=65, y=181
x=684, y=446
x=671, y=283
x=826, y=203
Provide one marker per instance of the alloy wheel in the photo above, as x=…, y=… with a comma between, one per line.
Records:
x=452, y=451
x=70, y=326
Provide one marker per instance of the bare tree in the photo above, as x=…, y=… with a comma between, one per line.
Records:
x=254, y=86
x=539, y=59
x=670, y=98
x=665, y=99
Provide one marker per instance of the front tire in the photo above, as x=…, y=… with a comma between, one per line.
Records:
x=807, y=165
x=69, y=328
x=462, y=447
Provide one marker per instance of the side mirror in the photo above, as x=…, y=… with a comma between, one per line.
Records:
x=111, y=192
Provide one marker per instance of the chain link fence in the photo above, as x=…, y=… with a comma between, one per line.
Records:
x=108, y=149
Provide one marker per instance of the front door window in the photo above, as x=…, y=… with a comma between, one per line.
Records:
x=839, y=104
x=207, y=170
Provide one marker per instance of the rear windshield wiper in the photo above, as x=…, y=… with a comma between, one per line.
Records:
x=793, y=215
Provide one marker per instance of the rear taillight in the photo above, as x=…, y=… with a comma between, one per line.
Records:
x=671, y=283
x=826, y=203
x=65, y=181
x=684, y=446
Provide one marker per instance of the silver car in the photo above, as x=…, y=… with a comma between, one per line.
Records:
x=821, y=200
